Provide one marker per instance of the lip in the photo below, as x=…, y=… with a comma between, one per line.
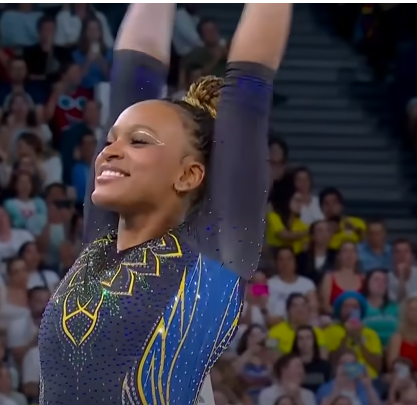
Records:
x=106, y=179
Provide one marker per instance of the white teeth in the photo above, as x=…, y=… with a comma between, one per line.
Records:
x=109, y=173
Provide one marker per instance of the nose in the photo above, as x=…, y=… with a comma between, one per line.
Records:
x=113, y=151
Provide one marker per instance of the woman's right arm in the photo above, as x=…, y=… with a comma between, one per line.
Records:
x=140, y=65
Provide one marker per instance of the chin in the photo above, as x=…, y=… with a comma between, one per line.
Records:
x=109, y=201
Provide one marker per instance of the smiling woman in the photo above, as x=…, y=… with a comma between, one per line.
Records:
x=155, y=297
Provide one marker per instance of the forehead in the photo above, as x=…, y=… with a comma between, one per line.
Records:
x=162, y=118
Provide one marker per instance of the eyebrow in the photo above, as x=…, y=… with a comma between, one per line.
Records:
x=135, y=128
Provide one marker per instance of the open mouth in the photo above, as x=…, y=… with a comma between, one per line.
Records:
x=111, y=174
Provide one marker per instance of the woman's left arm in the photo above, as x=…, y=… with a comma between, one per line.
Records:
x=239, y=175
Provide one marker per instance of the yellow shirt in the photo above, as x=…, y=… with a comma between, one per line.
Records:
x=347, y=235
x=284, y=334
x=274, y=225
x=336, y=333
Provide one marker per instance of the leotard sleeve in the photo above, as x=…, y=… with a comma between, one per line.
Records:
x=135, y=77
x=232, y=221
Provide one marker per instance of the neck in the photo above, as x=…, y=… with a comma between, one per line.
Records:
x=306, y=357
x=288, y=278
x=17, y=86
x=46, y=44
x=320, y=250
x=377, y=249
x=135, y=230
x=375, y=301
x=23, y=198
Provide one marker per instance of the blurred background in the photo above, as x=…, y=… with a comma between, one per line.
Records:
x=330, y=317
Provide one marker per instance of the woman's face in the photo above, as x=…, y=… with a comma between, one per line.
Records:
x=378, y=284
x=411, y=312
x=302, y=182
x=321, y=233
x=148, y=163
x=345, y=359
x=286, y=262
x=296, y=203
x=18, y=274
x=23, y=186
x=347, y=256
x=305, y=341
x=255, y=338
x=31, y=256
x=93, y=31
x=24, y=150
x=298, y=311
x=295, y=371
x=19, y=106
x=349, y=306
x=26, y=165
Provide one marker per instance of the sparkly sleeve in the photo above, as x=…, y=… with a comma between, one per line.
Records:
x=231, y=225
x=135, y=77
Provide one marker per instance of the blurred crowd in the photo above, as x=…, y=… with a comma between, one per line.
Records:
x=330, y=317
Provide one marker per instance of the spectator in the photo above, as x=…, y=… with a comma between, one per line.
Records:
x=297, y=315
x=310, y=207
x=71, y=138
x=344, y=228
x=76, y=231
x=403, y=280
x=44, y=60
x=66, y=104
x=289, y=375
x=284, y=227
x=402, y=380
x=81, y=169
x=11, y=240
x=38, y=277
x=186, y=36
x=211, y=56
x=26, y=209
x=23, y=332
x=18, y=26
x=408, y=396
x=350, y=381
x=316, y=317
x=285, y=282
x=14, y=301
x=45, y=159
x=345, y=277
x=21, y=117
x=70, y=20
x=318, y=258
x=34, y=92
x=192, y=74
x=56, y=231
x=351, y=333
x=92, y=54
x=403, y=343
x=375, y=252
x=381, y=314
x=251, y=364
x=317, y=370
x=6, y=390
x=255, y=308
x=6, y=55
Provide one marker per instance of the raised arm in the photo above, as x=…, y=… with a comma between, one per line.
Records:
x=239, y=178
x=140, y=65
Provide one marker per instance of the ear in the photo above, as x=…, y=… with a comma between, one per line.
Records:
x=191, y=176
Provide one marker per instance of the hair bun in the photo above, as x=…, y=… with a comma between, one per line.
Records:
x=205, y=94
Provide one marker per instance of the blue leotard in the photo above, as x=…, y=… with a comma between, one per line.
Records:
x=144, y=326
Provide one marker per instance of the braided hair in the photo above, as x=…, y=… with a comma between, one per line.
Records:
x=200, y=105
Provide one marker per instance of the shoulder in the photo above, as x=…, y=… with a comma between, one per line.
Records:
x=279, y=329
x=396, y=339
x=23, y=235
x=358, y=222
x=305, y=283
x=370, y=335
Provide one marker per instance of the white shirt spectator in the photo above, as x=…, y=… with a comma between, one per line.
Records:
x=31, y=371
x=68, y=28
x=44, y=278
x=279, y=291
x=411, y=284
x=18, y=238
x=5, y=400
x=185, y=36
x=256, y=315
x=311, y=212
x=52, y=167
x=269, y=395
x=21, y=332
